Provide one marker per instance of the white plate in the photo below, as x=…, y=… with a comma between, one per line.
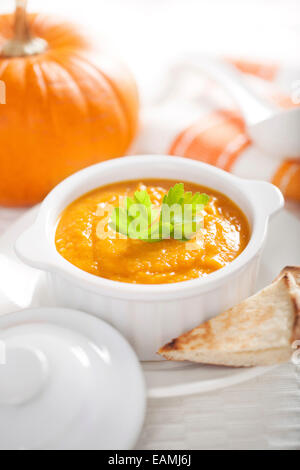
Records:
x=23, y=287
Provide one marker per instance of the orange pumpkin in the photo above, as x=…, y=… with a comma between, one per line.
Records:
x=64, y=110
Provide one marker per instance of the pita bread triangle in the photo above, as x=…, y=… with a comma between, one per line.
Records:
x=257, y=332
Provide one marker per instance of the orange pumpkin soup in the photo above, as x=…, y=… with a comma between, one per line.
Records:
x=79, y=237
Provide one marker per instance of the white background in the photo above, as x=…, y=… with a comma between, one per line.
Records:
x=150, y=33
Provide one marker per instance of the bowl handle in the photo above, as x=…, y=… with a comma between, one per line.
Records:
x=268, y=197
x=31, y=248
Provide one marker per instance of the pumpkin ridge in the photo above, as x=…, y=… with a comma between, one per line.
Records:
x=26, y=114
x=52, y=112
x=53, y=122
x=114, y=93
x=80, y=92
x=65, y=70
x=126, y=112
x=88, y=64
x=121, y=105
x=40, y=80
x=21, y=119
x=3, y=66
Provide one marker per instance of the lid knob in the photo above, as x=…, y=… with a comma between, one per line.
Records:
x=23, y=374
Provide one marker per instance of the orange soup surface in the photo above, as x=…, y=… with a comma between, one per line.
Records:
x=79, y=239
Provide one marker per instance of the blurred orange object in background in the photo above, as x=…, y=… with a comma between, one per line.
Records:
x=264, y=71
x=287, y=178
x=64, y=109
x=220, y=139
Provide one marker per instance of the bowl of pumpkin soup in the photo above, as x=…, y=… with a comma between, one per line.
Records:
x=152, y=244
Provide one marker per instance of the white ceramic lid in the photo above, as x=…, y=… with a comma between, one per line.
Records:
x=67, y=381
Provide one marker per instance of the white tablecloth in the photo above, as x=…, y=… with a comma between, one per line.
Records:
x=263, y=413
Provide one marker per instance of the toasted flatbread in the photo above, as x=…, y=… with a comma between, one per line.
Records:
x=257, y=332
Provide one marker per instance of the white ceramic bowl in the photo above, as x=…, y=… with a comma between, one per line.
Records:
x=150, y=315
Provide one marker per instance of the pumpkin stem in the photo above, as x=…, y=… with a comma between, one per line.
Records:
x=21, y=27
x=23, y=43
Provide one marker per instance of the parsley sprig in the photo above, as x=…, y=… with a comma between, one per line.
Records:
x=179, y=218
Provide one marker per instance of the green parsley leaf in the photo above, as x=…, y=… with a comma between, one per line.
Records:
x=120, y=220
x=142, y=197
x=179, y=217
